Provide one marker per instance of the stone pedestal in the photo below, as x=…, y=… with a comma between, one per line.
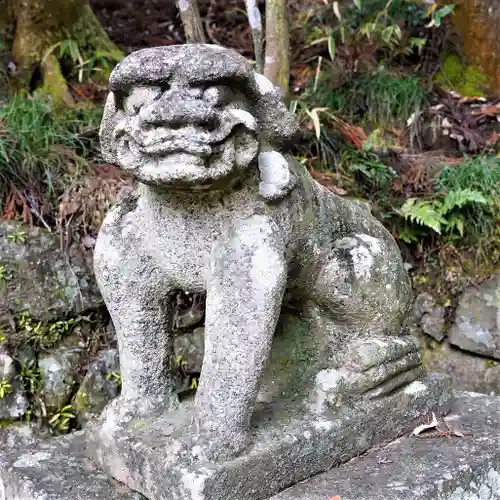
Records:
x=455, y=467
x=155, y=457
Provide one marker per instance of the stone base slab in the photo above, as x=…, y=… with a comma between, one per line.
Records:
x=55, y=469
x=152, y=456
x=411, y=468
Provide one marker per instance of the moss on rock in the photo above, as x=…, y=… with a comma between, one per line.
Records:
x=466, y=79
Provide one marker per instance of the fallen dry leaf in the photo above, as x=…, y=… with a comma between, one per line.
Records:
x=425, y=427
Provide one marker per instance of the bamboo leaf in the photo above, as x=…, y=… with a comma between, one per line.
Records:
x=336, y=11
x=331, y=47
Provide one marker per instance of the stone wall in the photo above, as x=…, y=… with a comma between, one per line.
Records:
x=467, y=345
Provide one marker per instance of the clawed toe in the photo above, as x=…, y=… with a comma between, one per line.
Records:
x=370, y=368
x=216, y=447
x=365, y=354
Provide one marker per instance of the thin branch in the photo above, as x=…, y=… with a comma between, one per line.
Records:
x=255, y=22
x=191, y=20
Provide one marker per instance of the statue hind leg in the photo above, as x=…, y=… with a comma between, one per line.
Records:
x=363, y=296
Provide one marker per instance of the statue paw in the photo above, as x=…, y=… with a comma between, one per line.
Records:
x=220, y=446
x=370, y=368
x=367, y=353
x=125, y=410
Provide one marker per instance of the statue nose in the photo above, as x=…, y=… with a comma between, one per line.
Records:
x=178, y=113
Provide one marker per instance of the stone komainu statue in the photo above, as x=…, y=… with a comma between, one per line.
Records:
x=222, y=208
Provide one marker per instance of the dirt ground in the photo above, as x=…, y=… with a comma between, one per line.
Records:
x=135, y=24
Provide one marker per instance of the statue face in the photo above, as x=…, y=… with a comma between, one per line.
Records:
x=184, y=134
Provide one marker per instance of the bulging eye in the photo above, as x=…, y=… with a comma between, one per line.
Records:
x=140, y=96
x=217, y=95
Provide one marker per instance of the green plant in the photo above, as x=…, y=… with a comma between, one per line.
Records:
x=379, y=22
x=99, y=61
x=374, y=174
x=317, y=139
x=3, y=272
x=5, y=388
x=116, y=377
x=480, y=173
x=30, y=377
x=376, y=100
x=442, y=215
x=44, y=334
x=61, y=420
x=17, y=237
x=43, y=150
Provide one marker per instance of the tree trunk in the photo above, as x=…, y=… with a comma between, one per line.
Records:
x=191, y=20
x=43, y=24
x=478, y=21
x=277, y=58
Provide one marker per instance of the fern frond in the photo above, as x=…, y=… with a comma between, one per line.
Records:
x=459, y=197
x=422, y=212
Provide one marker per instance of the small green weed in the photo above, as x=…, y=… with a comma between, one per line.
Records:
x=480, y=173
x=44, y=334
x=30, y=377
x=114, y=376
x=17, y=237
x=61, y=420
x=5, y=388
x=374, y=175
x=379, y=100
x=100, y=61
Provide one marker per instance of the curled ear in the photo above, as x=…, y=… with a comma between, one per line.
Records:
x=278, y=125
x=276, y=177
x=109, y=121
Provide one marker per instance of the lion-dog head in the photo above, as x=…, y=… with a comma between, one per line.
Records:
x=194, y=116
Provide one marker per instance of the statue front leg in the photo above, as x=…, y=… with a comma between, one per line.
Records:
x=137, y=299
x=244, y=296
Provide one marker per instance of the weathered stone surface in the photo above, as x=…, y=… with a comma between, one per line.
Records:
x=458, y=468
x=476, y=326
x=13, y=403
x=469, y=372
x=20, y=435
x=222, y=208
x=58, y=370
x=158, y=457
x=101, y=384
x=56, y=470
x=39, y=278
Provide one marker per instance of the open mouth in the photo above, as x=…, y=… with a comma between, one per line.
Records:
x=180, y=144
x=193, y=140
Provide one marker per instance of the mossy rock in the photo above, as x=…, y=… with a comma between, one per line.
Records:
x=41, y=280
x=466, y=79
